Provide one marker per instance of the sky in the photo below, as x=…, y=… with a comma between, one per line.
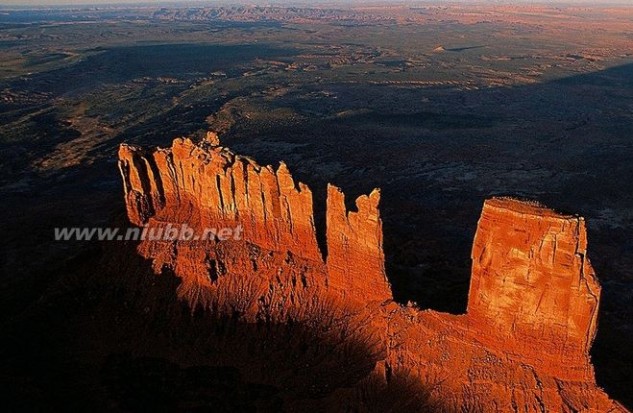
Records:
x=210, y=2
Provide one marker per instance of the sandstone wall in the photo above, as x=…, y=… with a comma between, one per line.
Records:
x=356, y=260
x=523, y=344
x=207, y=185
x=532, y=283
x=225, y=188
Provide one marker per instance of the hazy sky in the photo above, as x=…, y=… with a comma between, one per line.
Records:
x=307, y=2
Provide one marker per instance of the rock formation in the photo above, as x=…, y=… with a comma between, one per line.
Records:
x=523, y=344
x=210, y=187
x=532, y=309
x=225, y=188
x=533, y=283
x=355, y=261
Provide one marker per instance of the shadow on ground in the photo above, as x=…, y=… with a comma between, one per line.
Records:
x=118, y=339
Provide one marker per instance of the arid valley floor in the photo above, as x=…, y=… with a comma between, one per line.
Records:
x=440, y=106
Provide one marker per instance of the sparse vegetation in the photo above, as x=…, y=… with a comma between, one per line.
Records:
x=530, y=102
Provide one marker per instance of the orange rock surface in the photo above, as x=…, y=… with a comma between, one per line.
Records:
x=523, y=344
x=355, y=260
x=533, y=283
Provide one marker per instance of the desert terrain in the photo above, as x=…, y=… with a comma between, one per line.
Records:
x=440, y=106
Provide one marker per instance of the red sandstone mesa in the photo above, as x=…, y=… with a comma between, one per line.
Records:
x=522, y=346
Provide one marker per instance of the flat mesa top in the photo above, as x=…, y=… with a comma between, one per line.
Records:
x=526, y=208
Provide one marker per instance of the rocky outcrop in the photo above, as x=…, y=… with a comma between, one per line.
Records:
x=355, y=261
x=209, y=187
x=533, y=284
x=523, y=344
x=226, y=189
x=532, y=310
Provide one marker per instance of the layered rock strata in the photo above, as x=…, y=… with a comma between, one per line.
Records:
x=208, y=186
x=532, y=283
x=523, y=344
x=226, y=189
x=355, y=260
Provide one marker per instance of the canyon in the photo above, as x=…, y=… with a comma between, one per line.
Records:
x=522, y=345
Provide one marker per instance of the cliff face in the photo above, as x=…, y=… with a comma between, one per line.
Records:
x=356, y=261
x=522, y=346
x=532, y=282
x=225, y=188
x=208, y=186
x=532, y=310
